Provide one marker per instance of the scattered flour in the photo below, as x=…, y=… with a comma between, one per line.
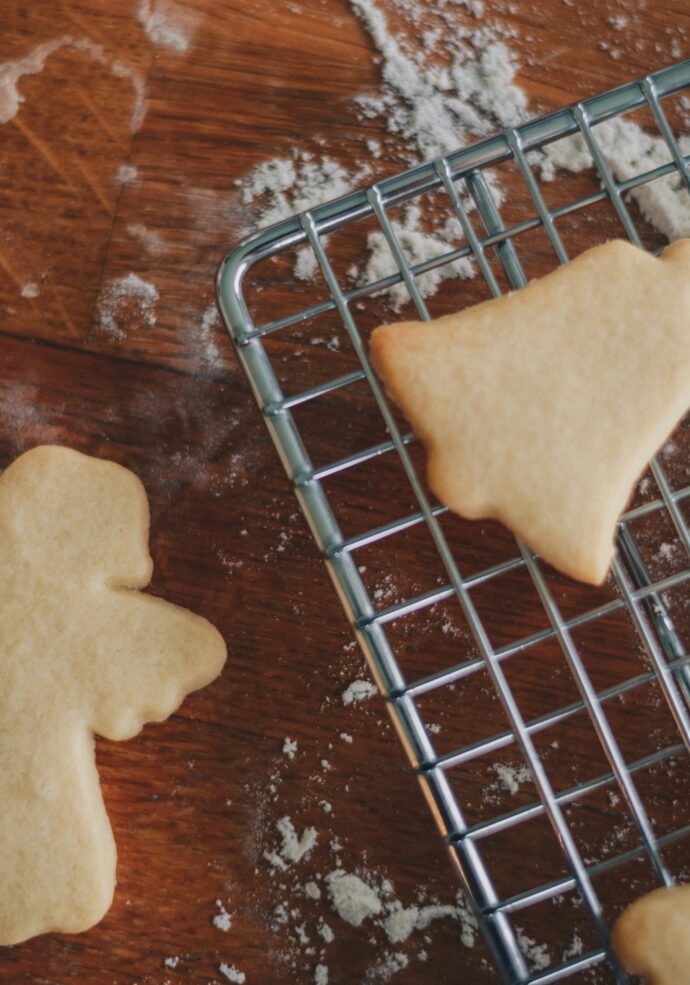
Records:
x=210, y=321
x=172, y=961
x=392, y=963
x=285, y=186
x=306, y=264
x=401, y=921
x=293, y=848
x=358, y=691
x=126, y=174
x=161, y=28
x=511, y=777
x=353, y=900
x=232, y=974
x=12, y=71
x=121, y=299
x=437, y=106
x=30, y=290
x=222, y=920
x=30, y=64
x=457, y=85
x=667, y=552
x=575, y=948
x=289, y=748
x=629, y=151
x=321, y=975
x=537, y=955
x=325, y=931
x=152, y=242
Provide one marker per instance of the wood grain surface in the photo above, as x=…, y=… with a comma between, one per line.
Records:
x=194, y=801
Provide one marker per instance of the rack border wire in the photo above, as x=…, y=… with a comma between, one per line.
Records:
x=638, y=594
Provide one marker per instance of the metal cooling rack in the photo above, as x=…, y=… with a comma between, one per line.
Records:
x=637, y=593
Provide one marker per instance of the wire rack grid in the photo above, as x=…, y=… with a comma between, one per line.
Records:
x=638, y=593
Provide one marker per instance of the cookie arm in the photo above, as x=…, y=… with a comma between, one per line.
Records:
x=147, y=657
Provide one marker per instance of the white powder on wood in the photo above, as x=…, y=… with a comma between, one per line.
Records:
x=537, y=955
x=126, y=174
x=321, y=975
x=128, y=298
x=222, y=920
x=294, y=848
x=439, y=98
x=34, y=61
x=232, y=973
x=511, y=777
x=383, y=971
x=325, y=931
x=353, y=900
x=431, y=107
x=575, y=948
x=400, y=922
x=152, y=242
x=289, y=748
x=306, y=264
x=457, y=86
x=358, y=691
x=30, y=290
x=285, y=186
x=161, y=29
x=210, y=321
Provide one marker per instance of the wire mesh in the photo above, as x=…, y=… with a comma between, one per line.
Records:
x=638, y=595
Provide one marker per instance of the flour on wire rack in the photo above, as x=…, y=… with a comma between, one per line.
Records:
x=458, y=85
x=629, y=151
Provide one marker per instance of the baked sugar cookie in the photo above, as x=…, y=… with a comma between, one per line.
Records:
x=652, y=937
x=83, y=652
x=541, y=408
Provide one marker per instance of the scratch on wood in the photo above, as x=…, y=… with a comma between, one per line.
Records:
x=93, y=185
x=101, y=120
x=63, y=310
x=9, y=270
x=38, y=144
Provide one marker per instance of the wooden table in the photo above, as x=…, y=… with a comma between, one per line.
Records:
x=194, y=801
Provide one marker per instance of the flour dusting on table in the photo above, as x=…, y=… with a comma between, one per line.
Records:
x=162, y=28
x=126, y=300
x=11, y=72
x=358, y=691
x=444, y=83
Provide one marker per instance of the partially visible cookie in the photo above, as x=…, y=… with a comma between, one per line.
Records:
x=652, y=937
x=82, y=651
x=541, y=408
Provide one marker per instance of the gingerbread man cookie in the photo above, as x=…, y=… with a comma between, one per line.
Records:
x=83, y=652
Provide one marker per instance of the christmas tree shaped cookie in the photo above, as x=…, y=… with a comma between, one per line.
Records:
x=541, y=408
